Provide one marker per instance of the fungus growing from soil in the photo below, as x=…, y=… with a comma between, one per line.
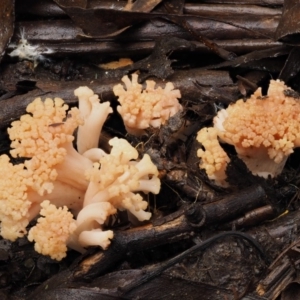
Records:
x=113, y=184
x=214, y=159
x=152, y=106
x=54, y=178
x=52, y=166
x=94, y=114
x=263, y=129
x=52, y=231
x=45, y=135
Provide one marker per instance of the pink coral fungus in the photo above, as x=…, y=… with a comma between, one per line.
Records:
x=141, y=109
x=44, y=136
x=94, y=114
x=114, y=184
x=264, y=131
x=54, y=178
x=56, y=226
x=214, y=159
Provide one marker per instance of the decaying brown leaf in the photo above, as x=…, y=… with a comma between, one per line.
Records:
x=288, y=29
x=142, y=5
x=72, y=3
x=291, y=67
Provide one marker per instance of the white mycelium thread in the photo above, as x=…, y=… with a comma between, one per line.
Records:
x=25, y=51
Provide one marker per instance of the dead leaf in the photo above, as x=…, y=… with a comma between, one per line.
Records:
x=291, y=67
x=174, y=6
x=144, y=5
x=288, y=29
x=72, y=3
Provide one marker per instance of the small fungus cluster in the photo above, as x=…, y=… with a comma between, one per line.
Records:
x=263, y=129
x=152, y=106
x=74, y=190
